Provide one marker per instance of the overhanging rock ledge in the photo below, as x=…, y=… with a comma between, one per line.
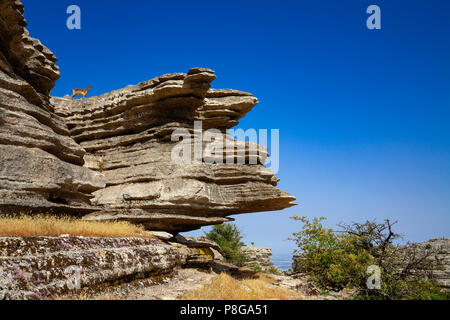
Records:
x=110, y=157
x=128, y=135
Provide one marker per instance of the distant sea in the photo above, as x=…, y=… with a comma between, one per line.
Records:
x=282, y=261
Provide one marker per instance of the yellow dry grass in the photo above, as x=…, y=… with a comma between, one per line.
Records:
x=53, y=226
x=224, y=287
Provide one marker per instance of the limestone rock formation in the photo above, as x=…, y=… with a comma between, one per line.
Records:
x=197, y=252
x=442, y=277
x=131, y=136
x=41, y=166
x=199, y=242
x=117, y=156
x=43, y=267
x=258, y=257
x=46, y=267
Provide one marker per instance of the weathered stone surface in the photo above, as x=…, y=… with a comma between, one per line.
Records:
x=112, y=157
x=217, y=256
x=196, y=257
x=173, y=288
x=156, y=221
x=26, y=56
x=442, y=277
x=199, y=242
x=302, y=285
x=129, y=136
x=161, y=235
x=43, y=182
x=41, y=166
x=199, y=257
x=258, y=256
x=42, y=267
x=198, y=252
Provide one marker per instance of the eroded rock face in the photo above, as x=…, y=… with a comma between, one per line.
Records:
x=198, y=252
x=26, y=57
x=41, y=166
x=112, y=156
x=441, y=276
x=132, y=134
x=258, y=257
x=46, y=267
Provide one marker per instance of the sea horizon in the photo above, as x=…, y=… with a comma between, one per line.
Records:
x=282, y=261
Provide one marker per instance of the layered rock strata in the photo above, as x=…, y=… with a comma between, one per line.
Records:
x=49, y=267
x=258, y=257
x=199, y=252
x=118, y=156
x=46, y=267
x=41, y=166
x=136, y=137
x=442, y=274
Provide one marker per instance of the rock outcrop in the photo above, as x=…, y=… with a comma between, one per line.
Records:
x=258, y=257
x=132, y=134
x=117, y=156
x=45, y=267
x=442, y=275
x=41, y=166
x=198, y=252
x=50, y=267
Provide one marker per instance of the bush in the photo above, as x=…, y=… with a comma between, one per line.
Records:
x=270, y=270
x=228, y=237
x=274, y=270
x=332, y=261
x=338, y=260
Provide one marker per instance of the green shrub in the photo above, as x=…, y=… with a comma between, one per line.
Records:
x=271, y=270
x=333, y=261
x=256, y=268
x=228, y=237
x=414, y=289
x=274, y=270
x=338, y=260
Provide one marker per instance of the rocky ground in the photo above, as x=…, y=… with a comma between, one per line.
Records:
x=169, y=288
x=189, y=279
x=133, y=269
x=442, y=276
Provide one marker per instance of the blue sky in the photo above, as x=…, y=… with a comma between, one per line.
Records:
x=364, y=115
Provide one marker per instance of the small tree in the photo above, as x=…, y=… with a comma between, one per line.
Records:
x=406, y=270
x=332, y=261
x=228, y=237
x=340, y=259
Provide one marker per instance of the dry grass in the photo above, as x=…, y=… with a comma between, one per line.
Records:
x=53, y=226
x=224, y=287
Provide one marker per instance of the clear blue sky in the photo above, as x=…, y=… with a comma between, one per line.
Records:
x=364, y=116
